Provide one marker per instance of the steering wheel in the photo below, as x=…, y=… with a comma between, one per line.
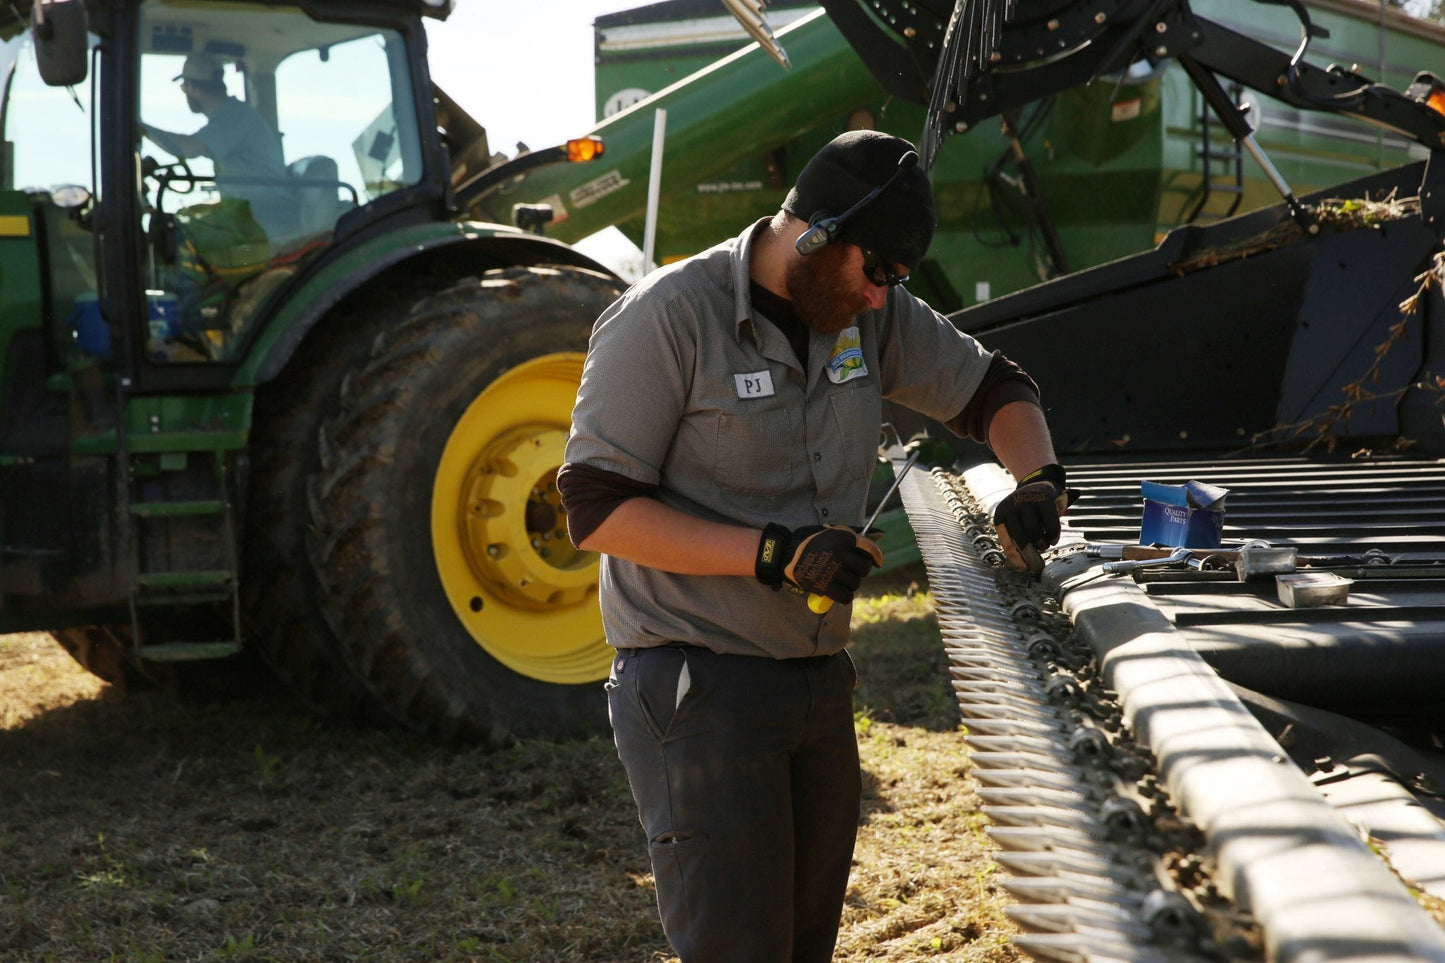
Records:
x=168, y=176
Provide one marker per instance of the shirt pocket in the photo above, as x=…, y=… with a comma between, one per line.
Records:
x=858, y=410
x=756, y=451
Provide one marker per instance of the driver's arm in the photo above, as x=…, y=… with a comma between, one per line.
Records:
x=184, y=146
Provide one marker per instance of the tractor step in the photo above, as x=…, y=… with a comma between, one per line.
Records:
x=171, y=597
x=187, y=651
x=184, y=588
x=177, y=509
x=184, y=550
x=182, y=581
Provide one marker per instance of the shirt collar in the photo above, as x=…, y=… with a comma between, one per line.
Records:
x=742, y=255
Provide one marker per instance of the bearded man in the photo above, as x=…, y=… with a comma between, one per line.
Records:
x=722, y=445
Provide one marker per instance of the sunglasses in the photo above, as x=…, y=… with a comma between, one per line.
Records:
x=878, y=272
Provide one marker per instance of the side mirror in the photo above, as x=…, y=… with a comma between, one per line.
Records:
x=61, y=46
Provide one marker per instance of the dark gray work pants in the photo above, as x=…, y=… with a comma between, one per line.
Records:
x=748, y=789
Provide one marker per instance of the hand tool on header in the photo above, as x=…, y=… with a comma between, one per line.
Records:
x=821, y=603
x=1179, y=556
x=1253, y=559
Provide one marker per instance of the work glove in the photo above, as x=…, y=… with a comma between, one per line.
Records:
x=1027, y=521
x=826, y=560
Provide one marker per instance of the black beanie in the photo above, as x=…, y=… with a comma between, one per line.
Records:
x=897, y=224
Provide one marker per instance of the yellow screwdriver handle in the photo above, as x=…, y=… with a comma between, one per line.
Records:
x=820, y=604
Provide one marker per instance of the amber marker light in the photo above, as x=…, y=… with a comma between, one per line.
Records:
x=583, y=149
x=1436, y=100
x=1429, y=90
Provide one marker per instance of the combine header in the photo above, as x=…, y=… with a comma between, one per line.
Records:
x=1293, y=356
x=1254, y=354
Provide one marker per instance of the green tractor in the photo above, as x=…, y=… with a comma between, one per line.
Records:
x=299, y=409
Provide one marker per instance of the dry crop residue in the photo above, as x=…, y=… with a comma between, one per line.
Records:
x=149, y=827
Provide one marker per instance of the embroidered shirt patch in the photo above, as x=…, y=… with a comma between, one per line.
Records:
x=845, y=362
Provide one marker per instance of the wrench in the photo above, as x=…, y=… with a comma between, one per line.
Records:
x=1177, y=557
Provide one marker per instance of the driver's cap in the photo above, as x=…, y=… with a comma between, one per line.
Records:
x=203, y=67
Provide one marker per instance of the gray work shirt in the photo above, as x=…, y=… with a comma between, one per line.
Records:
x=688, y=388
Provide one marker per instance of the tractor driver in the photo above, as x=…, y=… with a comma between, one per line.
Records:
x=244, y=148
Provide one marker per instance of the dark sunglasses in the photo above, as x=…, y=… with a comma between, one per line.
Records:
x=877, y=271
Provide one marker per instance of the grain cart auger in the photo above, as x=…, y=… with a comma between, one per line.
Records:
x=278, y=393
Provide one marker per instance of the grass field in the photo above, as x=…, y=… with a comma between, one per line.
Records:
x=143, y=827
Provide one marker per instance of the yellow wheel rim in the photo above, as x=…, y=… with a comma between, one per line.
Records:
x=513, y=577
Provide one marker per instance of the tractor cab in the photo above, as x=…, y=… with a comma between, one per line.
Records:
x=216, y=149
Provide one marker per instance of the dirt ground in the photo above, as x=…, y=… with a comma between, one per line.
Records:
x=146, y=827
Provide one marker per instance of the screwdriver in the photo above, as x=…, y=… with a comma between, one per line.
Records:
x=821, y=603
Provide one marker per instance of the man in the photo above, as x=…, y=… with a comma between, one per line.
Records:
x=723, y=439
x=244, y=149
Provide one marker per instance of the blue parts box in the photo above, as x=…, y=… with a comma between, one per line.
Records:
x=1189, y=515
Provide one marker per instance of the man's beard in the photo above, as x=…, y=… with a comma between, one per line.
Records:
x=193, y=103
x=820, y=298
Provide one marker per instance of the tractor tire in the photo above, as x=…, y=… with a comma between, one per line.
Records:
x=98, y=650
x=437, y=531
x=279, y=588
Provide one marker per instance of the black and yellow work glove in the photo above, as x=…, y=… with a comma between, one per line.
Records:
x=1027, y=521
x=826, y=560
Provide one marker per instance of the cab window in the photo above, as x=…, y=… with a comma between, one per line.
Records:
x=260, y=129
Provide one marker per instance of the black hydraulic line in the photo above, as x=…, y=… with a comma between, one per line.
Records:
x=1056, y=262
x=991, y=184
x=1125, y=47
x=993, y=177
x=1349, y=98
x=1260, y=67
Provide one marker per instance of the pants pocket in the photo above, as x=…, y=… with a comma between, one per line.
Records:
x=663, y=681
x=677, y=859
